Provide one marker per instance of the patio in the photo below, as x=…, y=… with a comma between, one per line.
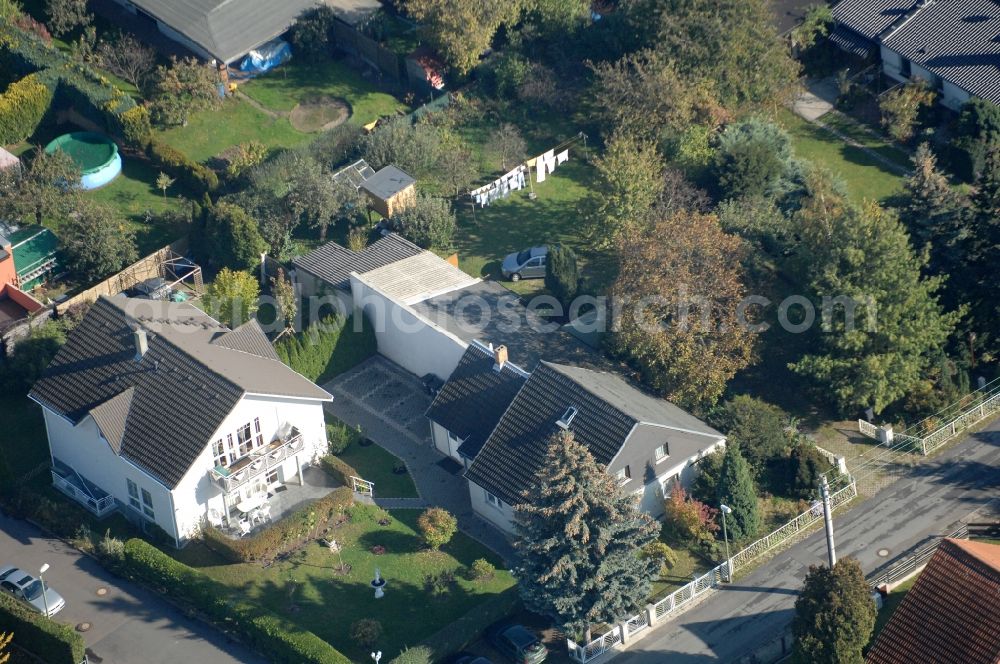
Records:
x=286, y=499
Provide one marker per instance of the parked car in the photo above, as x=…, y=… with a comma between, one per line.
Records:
x=518, y=643
x=28, y=589
x=527, y=264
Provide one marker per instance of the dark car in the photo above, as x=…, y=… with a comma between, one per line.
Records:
x=518, y=643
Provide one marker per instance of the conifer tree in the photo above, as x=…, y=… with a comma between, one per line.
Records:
x=578, y=542
x=737, y=491
x=834, y=615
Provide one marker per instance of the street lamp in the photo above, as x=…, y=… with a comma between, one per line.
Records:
x=377, y=656
x=725, y=534
x=45, y=600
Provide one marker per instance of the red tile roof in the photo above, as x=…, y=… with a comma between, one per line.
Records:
x=952, y=613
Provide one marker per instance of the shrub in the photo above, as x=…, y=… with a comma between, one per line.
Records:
x=285, y=534
x=363, y=513
x=418, y=655
x=136, y=127
x=248, y=155
x=193, y=175
x=52, y=641
x=756, y=426
x=338, y=469
x=22, y=108
x=110, y=548
x=437, y=526
x=754, y=158
x=339, y=436
x=707, y=479
x=689, y=519
x=662, y=554
x=366, y=632
x=901, y=106
x=427, y=222
x=805, y=465
x=561, y=275
x=439, y=584
x=483, y=570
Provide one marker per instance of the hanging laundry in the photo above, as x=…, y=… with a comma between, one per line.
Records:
x=540, y=172
x=562, y=156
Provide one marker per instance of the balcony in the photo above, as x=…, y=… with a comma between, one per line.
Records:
x=257, y=463
x=96, y=501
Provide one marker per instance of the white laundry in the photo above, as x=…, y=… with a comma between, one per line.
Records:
x=562, y=156
x=540, y=171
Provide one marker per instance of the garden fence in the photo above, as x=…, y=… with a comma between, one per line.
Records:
x=906, y=566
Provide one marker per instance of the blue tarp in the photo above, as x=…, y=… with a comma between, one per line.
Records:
x=266, y=57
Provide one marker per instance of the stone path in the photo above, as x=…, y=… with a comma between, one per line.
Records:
x=389, y=405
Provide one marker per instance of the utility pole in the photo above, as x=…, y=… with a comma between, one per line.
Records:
x=828, y=518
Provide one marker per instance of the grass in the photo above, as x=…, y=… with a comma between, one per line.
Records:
x=209, y=133
x=280, y=90
x=25, y=446
x=688, y=566
x=375, y=465
x=865, y=136
x=865, y=177
x=306, y=589
x=892, y=602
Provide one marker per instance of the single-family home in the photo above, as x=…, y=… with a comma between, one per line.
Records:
x=951, y=615
x=158, y=410
x=390, y=191
x=15, y=304
x=950, y=44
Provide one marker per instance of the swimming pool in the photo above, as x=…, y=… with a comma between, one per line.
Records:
x=96, y=155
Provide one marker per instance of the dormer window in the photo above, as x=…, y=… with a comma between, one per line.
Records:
x=623, y=475
x=567, y=418
x=661, y=453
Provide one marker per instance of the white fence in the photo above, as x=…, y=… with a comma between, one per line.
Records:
x=684, y=597
x=363, y=487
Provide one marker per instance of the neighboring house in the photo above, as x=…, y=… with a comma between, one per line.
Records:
x=158, y=410
x=951, y=615
x=649, y=444
x=220, y=30
x=390, y=191
x=15, y=305
x=951, y=44
x=34, y=251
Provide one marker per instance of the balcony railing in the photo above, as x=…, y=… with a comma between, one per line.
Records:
x=99, y=507
x=257, y=463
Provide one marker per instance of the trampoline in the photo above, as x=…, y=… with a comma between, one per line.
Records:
x=96, y=155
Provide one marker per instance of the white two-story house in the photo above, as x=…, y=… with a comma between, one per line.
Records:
x=158, y=410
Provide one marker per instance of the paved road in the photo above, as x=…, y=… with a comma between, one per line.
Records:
x=756, y=608
x=130, y=624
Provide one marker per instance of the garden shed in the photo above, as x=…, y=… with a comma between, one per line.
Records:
x=390, y=191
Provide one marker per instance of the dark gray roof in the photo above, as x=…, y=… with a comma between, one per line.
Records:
x=959, y=40
x=248, y=338
x=870, y=18
x=489, y=312
x=608, y=410
x=333, y=263
x=852, y=42
x=226, y=29
x=182, y=389
x=475, y=397
x=387, y=182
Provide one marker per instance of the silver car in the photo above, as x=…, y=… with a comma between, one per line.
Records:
x=527, y=264
x=28, y=589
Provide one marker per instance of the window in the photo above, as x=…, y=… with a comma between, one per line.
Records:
x=493, y=500
x=133, y=494
x=256, y=426
x=624, y=475
x=661, y=452
x=567, y=418
x=147, y=504
x=245, y=439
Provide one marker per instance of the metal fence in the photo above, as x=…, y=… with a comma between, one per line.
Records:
x=900, y=569
x=945, y=432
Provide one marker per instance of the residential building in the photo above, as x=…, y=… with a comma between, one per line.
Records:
x=15, y=305
x=950, y=44
x=158, y=410
x=390, y=191
x=951, y=615
x=33, y=250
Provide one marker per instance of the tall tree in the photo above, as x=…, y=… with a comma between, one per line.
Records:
x=129, y=58
x=756, y=426
x=234, y=237
x=630, y=181
x=427, y=222
x=578, y=540
x=834, y=615
x=462, y=30
x=285, y=299
x=561, y=276
x=46, y=189
x=980, y=276
x=311, y=33
x=738, y=492
x=95, y=241
x=233, y=297
x=66, y=15
x=681, y=324
x=935, y=213
x=315, y=196
x=508, y=144
x=184, y=87
x=863, y=256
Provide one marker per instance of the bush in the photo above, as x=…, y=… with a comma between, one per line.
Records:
x=689, y=520
x=418, y=655
x=22, y=107
x=756, y=426
x=483, y=570
x=285, y=534
x=662, y=554
x=277, y=639
x=366, y=632
x=53, y=642
x=439, y=584
x=327, y=348
x=754, y=158
x=805, y=466
x=338, y=469
x=111, y=549
x=194, y=176
x=561, y=275
x=427, y=222
x=705, y=482
x=437, y=526
x=339, y=436
x=901, y=106
x=136, y=127
x=364, y=513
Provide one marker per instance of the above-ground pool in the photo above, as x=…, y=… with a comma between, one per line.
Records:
x=96, y=155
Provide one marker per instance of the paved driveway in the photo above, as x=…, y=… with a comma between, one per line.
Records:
x=389, y=403
x=129, y=623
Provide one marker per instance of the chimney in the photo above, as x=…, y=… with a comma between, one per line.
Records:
x=500, y=356
x=141, y=343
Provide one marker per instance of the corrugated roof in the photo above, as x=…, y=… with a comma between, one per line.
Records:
x=387, y=182
x=227, y=29
x=417, y=278
x=852, y=42
x=958, y=40
x=333, y=263
x=869, y=18
x=475, y=397
x=183, y=387
x=952, y=613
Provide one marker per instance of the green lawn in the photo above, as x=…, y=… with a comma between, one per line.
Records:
x=884, y=147
x=375, y=465
x=306, y=589
x=286, y=86
x=892, y=602
x=864, y=176
x=211, y=132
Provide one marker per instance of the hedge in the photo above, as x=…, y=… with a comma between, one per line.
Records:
x=285, y=534
x=328, y=348
x=274, y=637
x=197, y=177
x=339, y=469
x=53, y=642
x=469, y=627
x=22, y=108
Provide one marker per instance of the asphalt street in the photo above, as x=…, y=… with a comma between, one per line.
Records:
x=129, y=625
x=756, y=608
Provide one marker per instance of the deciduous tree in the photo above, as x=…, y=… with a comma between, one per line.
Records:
x=233, y=297
x=311, y=33
x=235, y=237
x=630, y=181
x=95, y=241
x=427, y=222
x=66, y=15
x=437, y=527
x=186, y=86
x=578, y=540
x=127, y=57
x=46, y=189
x=681, y=324
x=901, y=106
x=689, y=519
x=508, y=144
x=834, y=615
x=461, y=30
x=737, y=491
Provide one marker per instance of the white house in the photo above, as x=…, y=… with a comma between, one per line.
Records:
x=158, y=410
